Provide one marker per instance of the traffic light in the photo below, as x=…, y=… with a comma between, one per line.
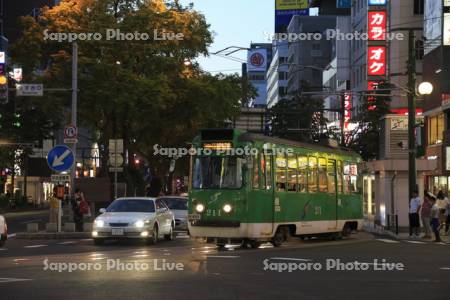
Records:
x=17, y=120
x=3, y=89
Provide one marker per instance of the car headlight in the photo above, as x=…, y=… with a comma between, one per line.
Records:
x=139, y=224
x=227, y=208
x=99, y=223
x=200, y=208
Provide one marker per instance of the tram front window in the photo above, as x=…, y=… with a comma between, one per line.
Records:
x=213, y=172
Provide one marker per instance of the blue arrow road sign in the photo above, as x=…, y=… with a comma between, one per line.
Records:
x=60, y=158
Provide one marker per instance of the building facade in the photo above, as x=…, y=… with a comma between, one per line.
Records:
x=277, y=73
x=259, y=58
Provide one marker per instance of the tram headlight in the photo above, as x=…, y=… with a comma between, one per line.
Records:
x=200, y=208
x=227, y=208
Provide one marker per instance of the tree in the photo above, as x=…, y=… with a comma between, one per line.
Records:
x=365, y=137
x=298, y=118
x=145, y=92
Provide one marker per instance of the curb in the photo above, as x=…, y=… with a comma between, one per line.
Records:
x=52, y=236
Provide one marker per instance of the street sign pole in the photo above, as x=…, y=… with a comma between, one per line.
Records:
x=74, y=109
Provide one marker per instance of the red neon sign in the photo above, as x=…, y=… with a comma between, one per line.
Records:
x=347, y=110
x=376, y=61
x=376, y=25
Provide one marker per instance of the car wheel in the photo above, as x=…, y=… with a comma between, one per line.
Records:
x=154, y=237
x=99, y=242
x=169, y=237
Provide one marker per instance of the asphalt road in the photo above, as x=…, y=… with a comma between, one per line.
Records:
x=132, y=270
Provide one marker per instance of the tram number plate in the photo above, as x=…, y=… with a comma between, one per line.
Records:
x=193, y=217
x=117, y=232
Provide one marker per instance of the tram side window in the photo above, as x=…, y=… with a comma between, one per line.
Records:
x=339, y=177
x=323, y=187
x=350, y=178
x=292, y=173
x=280, y=175
x=331, y=176
x=256, y=171
x=302, y=174
x=312, y=175
x=268, y=168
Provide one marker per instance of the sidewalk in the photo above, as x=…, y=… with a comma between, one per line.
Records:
x=381, y=231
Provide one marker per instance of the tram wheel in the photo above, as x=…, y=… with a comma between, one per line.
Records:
x=252, y=244
x=279, y=237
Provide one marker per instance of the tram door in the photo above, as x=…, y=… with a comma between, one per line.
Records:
x=333, y=189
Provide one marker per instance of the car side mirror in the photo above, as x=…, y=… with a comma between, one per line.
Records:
x=102, y=210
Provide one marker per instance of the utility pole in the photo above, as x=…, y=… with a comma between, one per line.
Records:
x=411, y=114
x=74, y=109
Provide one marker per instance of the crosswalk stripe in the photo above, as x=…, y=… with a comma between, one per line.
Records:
x=388, y=241
x=416, y=242
x=67, y=243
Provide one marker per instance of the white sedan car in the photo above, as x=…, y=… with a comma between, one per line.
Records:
x=134, y=218
x=3, y=231
x=179, y=206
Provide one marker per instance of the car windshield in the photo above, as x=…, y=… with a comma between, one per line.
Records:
x=132, y=205
x=215, y=172
x=176, y=203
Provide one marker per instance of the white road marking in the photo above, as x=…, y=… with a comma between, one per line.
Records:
x=5, y=280
x=222, y=256
x=288, y=258
x=447, y=269
x=31, y=221
x=35, y=246
x=11, y=235
x=3, y=249
x=67, y=243
x=416, y=242
x=183, y=237
x=388, y=241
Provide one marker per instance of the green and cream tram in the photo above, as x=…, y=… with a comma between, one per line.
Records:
x=252, y=188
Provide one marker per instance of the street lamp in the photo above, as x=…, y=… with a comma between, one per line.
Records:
x=425, y=88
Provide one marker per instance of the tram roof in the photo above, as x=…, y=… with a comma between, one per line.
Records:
x=248, y=136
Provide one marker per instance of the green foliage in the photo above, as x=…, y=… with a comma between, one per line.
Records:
x=299, y=118
x=142, y=91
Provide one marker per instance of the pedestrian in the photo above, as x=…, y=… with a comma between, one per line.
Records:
x=80, y=208
x=447, y=220
x=441, y=203
x=425, y=215
x=414, y=220
x=435, y=220
x=54, y=206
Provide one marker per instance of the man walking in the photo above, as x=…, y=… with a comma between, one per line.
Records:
x=414, y=221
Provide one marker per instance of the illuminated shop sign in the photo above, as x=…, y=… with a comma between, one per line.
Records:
x=376, y=61
x=376, y=25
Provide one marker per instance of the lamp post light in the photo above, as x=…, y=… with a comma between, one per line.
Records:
x=425, y=88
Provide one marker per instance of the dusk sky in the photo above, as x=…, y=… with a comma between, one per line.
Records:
x=234, y=23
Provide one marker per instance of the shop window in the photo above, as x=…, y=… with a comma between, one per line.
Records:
x=312, y=175
x=280, y=173
x=302, y=174
x=323, y=188
x=331, y=176
x=350, y=178
x=292, y=175
x=435, y=129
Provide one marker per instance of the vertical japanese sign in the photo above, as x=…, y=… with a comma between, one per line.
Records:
x=347, y=111
x=376, y=25
x=376, y=61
